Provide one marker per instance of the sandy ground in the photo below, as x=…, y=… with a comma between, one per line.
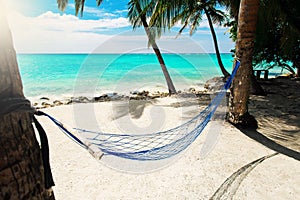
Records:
x=278, y=113
x=223, y=163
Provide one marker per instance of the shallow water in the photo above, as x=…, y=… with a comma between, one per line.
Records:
x=89, y=75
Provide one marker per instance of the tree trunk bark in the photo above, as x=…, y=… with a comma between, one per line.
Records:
x=224, y=71
x=156, y=50
x=240, y=88
x=21, y=168
x=169, y=81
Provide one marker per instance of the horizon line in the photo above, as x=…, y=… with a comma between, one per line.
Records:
x=85, y=53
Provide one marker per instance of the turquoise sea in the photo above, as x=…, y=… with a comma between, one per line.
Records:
x=66, y=75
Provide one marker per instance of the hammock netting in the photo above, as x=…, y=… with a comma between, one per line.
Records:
x=154, y=146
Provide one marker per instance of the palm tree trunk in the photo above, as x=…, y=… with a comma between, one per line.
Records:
x=21, y=168
x=169, y=81
x=240, y=89
x=224, y=71
x=157, y=52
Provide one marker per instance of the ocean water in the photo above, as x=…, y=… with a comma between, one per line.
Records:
x=66, y=75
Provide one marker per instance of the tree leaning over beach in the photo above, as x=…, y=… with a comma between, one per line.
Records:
x=240, y=88
x=21, y=167
x=138, y=18
x=167, y=14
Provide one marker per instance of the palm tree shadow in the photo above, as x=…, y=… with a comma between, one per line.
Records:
x=134, y=108
x=258, y=137
x=230, y=186
x=137, y=107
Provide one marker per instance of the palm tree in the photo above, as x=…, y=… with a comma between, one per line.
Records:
x=240, y=88
x=189, y=12
x=137, y=18
x=211, y=11
x=21, y=168
x=233, y=7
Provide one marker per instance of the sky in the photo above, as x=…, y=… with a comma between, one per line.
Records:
x=38, y=26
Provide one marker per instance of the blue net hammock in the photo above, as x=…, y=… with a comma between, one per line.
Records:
x=154, y=146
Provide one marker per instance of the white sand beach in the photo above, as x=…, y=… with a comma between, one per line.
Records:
x=207, y=169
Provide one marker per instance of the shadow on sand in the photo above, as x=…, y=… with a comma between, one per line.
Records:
x=257, y=136
x=135, y=108
x=230, y=186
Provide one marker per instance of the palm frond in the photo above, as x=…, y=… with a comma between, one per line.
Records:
x=217, y=16
x=133, y=14
x=182, y=28
x=99, y=2
x=62, y=4
x=195, y=22
x=164, y=13
x=79, y=6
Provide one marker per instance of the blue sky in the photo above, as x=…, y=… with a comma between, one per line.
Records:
x=38, y=26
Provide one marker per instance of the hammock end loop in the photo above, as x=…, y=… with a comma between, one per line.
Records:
x=95, y=151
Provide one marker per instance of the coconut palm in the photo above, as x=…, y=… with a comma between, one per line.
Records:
x=189, y=12
x=233, y=7
x=240, y=89
x=21, y=167
x=138, y=18
x=217, y=16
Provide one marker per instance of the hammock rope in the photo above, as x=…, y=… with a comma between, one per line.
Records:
x=154, y=146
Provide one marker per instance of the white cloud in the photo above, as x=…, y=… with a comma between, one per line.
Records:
x=121, y=11
x=72, y=23
x=62, y=33
x=53, y=32
x=109, y=15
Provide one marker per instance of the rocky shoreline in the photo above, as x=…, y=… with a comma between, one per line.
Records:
x=210, y=87
x=46, y=102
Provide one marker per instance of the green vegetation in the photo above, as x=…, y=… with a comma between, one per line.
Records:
x=277, y=40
